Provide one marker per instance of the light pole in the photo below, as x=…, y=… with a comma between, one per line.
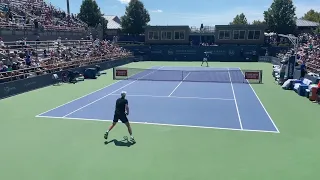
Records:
x=294, y=40
x=68, y=7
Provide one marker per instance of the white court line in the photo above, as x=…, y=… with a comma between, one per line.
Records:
x=158, y=124
x=110, y=93
x=201, y=68
x=78, y=98
x=83, y=96
x=235, y=100
x=179, y=84
x=254, y=92
x=177, y=97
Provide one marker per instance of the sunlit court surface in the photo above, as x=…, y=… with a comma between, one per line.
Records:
x=177, y=96
x=189, y=122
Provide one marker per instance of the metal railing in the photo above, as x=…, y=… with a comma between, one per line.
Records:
x=51, y=68
x=30, y=27
x=40, y=46
x=205, y=29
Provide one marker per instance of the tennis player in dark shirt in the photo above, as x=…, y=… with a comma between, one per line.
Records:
x=205, y=59
x=121, y=112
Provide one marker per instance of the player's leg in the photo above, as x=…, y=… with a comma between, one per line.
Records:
x=115, y=120
x=125, y=120
x=129, y=130
x=202, y=62
x=207, y=63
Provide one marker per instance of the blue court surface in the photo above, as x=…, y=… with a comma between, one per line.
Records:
x=231, y=106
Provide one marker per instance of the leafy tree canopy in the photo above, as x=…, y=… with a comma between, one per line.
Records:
x=258, y=22
x=239, y=19
x=312, y=15
x=135, y=19
x=90, y=13
x=280, y=17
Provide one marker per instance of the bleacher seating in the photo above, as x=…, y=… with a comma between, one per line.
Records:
x=309, y=52
x=23, y=59
x=37, y=14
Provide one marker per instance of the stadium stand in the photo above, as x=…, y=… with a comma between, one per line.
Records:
x=23, y=59
x=34, y=17
x=24, y=53
x=309, y=52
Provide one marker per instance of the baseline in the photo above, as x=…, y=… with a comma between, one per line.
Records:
x=159, y=124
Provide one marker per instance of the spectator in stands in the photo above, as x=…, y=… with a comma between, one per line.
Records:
x=28, y=60
x=318, y=93
x=308, y=52
x=45, y=54
x=1, y=43
x=36, y=24
x=303, y=69
x=3, y=68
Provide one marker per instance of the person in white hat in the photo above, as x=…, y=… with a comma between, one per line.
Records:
x=121, y=112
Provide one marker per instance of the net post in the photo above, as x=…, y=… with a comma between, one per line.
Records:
x=182, y=75
x=228, y=71
x=261, y=76
x=114, y=73
x=244, y=76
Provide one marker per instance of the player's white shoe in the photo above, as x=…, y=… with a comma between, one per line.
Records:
x=132, y=138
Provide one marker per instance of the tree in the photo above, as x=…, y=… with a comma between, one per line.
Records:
x=135, y=19
x=312, y=15
x=280, y=17
x=239, y=19
x=258, y=22
x=90, y=13
x=317, y=30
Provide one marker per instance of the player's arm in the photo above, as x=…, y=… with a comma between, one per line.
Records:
x=127, y=108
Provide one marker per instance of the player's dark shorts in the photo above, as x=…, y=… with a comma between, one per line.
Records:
x=123, y=117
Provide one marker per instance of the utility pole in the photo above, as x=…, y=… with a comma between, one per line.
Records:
x=68, y=7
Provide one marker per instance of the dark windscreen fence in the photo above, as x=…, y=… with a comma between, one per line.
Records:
x=210, y=75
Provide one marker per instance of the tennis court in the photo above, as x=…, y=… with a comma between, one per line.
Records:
x=177, y=96
x=193, y=133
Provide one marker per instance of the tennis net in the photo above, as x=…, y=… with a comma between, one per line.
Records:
x=209, y=75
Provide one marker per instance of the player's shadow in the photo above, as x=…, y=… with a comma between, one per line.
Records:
x=123, y=143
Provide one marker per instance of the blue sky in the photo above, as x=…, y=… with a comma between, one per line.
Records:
x=193, y=12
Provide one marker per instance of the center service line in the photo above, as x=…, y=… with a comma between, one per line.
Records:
x=179, y=84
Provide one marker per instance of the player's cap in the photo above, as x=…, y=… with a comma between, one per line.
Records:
x=123, y=93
